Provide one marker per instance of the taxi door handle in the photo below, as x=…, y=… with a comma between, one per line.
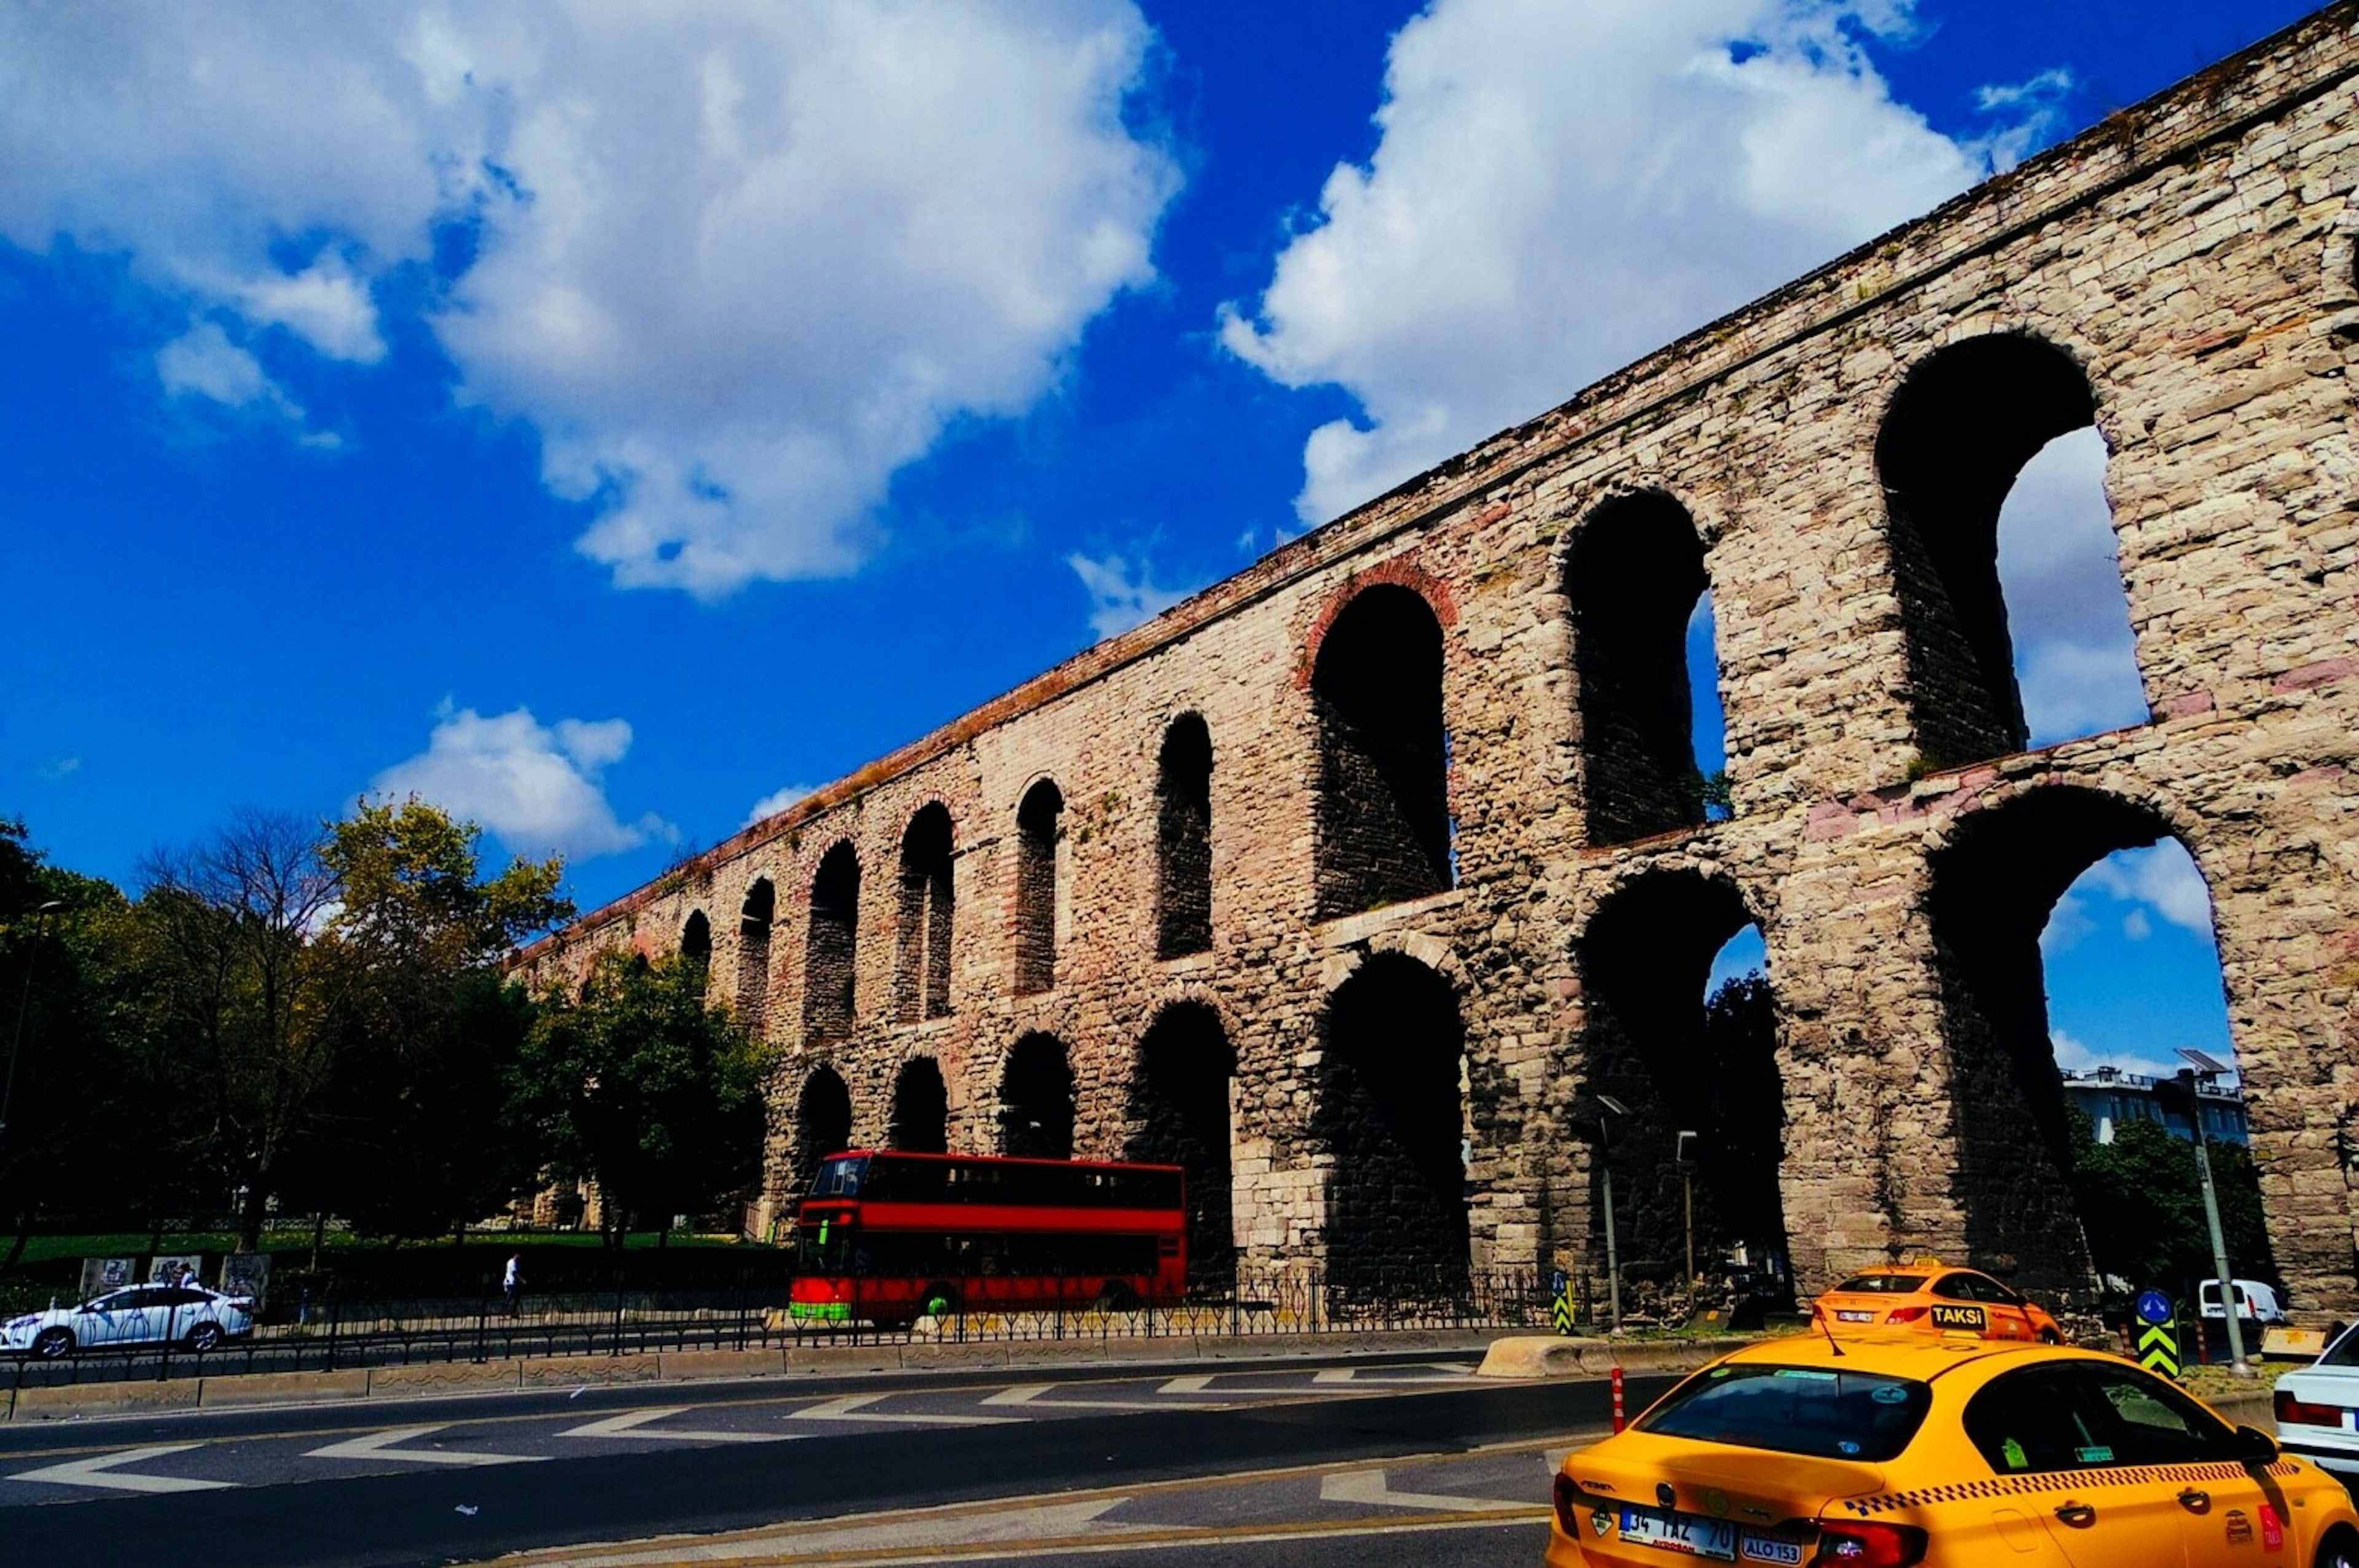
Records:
x=2076, y=1513
x=2195, y=1501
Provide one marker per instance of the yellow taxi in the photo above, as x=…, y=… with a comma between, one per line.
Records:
x=1930, y=1296
x=1890, y=1450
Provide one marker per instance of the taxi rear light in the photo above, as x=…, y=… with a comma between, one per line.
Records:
x=1568, y=1498
x=1904, y=1314
x=1869, y=1546
x=2301, y=1412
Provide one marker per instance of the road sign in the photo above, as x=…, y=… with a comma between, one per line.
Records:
x=2158, y=1348
x=2154, y=1306
x=1561, y=1302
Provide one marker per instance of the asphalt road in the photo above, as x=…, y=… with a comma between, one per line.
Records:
x=1251, y=1463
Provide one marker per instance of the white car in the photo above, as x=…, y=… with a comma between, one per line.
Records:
x=187, y=1315
x=2316, y=1406
x=2255, y=1301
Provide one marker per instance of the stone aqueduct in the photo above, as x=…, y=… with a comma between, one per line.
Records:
x=1352, y=879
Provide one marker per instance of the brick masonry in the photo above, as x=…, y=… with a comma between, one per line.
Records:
x=2191, y=261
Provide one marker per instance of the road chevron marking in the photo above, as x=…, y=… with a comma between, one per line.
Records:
x=854, y=1407
x=1194, y=1383
x=380, y=1445
x=1030, y=1394
x=100, y=1472
x=1359, y=1376
x=628, y=1423
x=1368, y=1487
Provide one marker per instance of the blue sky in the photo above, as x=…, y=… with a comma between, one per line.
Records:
x=609, y=419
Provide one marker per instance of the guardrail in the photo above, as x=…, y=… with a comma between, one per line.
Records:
x=332, y=1334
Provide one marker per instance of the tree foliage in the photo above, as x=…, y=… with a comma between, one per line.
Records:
x=292, y=1013
x=639, y=1084
x=2142, y=1205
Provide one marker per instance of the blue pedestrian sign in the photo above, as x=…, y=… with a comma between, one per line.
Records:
x=2154, y=1306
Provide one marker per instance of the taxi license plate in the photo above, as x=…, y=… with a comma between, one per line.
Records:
x=1853, y=1315
x=1689, y=1534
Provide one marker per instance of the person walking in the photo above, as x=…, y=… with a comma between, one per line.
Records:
x=512, y=1281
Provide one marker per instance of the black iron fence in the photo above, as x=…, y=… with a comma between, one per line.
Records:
x=325, y=1329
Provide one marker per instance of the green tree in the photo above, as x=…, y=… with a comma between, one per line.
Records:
x=408, y=1136
x=639, y=1084
x=2142, y=1206
x=89, y=1127
x=318, y=991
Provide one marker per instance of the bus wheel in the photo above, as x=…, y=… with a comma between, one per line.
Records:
x=937, y=1301
x=1117, y=1297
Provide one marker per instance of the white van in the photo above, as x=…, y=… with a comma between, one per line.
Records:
x=2255, y=1301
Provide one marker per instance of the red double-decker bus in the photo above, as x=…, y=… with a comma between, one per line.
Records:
x=889, y=1236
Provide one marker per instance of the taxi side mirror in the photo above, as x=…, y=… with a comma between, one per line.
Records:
x=2255, y=1446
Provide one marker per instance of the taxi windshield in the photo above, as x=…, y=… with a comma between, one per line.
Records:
x=1882, y=1285
x=1815, y=1411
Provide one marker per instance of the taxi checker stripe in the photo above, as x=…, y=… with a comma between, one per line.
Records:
x=2059, y=1481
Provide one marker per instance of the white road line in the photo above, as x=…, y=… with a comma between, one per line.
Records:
x=1368, y=1487
x=854, y=1408
x=100, y=1472
x=628, y=1423
x=1195, y=1383
x=380, y=1445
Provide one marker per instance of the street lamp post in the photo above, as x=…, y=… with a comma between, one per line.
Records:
x=24, y=1004
x=2192, y=1077
x=1608, y=1105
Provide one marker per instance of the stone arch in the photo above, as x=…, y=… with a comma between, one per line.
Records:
x=1183, y=838
x=1179, y=1114
x=1039, y=834
x=753, y=918
x=1383, y=813
x=921, y=1108
x=1389, y=1110
x=696, y=945
x=1035, y=1099
x=1633, y=577
x=1991, y=884
x=921, y=959
x=1957, y=435
x=1651, y=1041
x=823, y=1122
x=831, y=947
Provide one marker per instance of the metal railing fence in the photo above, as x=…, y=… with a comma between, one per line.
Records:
x=331, y=1332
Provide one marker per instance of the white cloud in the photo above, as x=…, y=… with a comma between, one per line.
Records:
x=536, y=787
x=325, y=306
x=2033, y=110
x=2134, y=887
x=2076, y=661
x=737, y=262
x=2067, y=924
x=774, y=802
x=203, y=363
x=1121, y=596
x=2163, y=878
x=1560, y=189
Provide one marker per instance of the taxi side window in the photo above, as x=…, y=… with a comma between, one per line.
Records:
x=2086, y=1417
x=1956, y=1288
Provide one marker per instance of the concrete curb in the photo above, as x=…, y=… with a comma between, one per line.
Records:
x=251, y=1389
